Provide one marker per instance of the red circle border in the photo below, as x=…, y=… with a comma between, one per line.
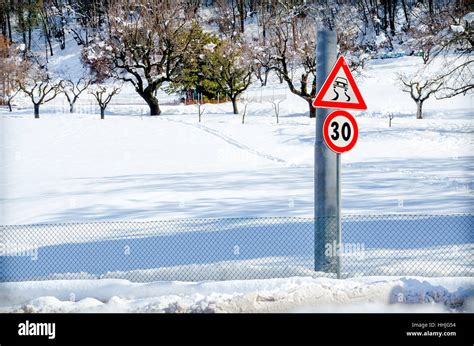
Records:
x=353, y=122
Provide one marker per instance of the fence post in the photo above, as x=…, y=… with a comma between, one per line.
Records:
x=326, y=170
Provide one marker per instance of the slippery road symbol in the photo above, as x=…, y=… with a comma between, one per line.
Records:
x=339, y=90
x=340, y=82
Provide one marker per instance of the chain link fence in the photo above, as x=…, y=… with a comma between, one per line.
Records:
x=240, y=248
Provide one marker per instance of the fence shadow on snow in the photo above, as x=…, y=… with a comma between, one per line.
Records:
x=240, y=248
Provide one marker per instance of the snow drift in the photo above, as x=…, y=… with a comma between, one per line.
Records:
x=297, y=294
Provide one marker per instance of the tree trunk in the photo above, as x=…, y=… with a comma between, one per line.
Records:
x=46, y=51
x=241, y=5
x=102, y=112
x=50, y=45
x=152, y=102
x=4, y=23
x=265, y=80
x=280, y=77
x=234, y=105
x=392, y=8
x=312, y=110
x=407, y=19
x=29, y=36
x=9, y=102
x=37, y=110
x=63, y=39
x=419, y=109
x=155, y=108
x=294, y=32
x=71, y=107
x=9, y=26
x=234, y=17
x=47, y=34
x=258, y=74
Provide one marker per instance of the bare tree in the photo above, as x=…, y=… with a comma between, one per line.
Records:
x=451, y=58
x=456, y=47
x=226, y=17
x=146, y=45
x=104, y=94
x=11, y=93
x=425, y=42
x=444, y=39
x=420, y=88
x=426, y=35
x=390, y=118
x=286, y=58
x=459, y=78
x=73, y=89
x=40, y=88
x=453, y=77
x=262, y=62
x=276, y=109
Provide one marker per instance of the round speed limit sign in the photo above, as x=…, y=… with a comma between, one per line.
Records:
x=340, y=131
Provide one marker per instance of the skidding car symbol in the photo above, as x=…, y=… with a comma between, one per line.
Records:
x=340, y=82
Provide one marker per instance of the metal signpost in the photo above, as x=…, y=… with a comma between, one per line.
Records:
x=336, y=132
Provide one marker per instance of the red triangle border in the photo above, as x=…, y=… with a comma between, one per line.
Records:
x=318, y=101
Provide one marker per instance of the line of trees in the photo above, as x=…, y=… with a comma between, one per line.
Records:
x=21, y=74
x=207, y=45
x=150, y=44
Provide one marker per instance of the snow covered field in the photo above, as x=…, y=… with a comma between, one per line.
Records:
x=75, y=167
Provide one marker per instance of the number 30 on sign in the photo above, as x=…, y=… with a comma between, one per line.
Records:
x=340, y=131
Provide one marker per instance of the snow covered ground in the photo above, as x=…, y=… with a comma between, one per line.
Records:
x=297, y=294
x=77, y=168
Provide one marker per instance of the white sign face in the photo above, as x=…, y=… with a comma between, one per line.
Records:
x=340, y=131
x=340, y=90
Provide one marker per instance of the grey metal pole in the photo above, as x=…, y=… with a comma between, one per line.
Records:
x=326, y=169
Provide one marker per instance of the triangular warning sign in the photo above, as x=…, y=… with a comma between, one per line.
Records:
x=340, y=90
